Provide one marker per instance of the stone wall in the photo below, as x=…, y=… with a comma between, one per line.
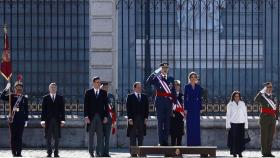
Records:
x=74, y=134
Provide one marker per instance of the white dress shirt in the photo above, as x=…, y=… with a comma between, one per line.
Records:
x=136, y=94
x=236, y=113
x=96, y=90
x=53, y=96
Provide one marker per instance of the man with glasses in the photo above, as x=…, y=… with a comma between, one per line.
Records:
x=268, y=117
x=53, y=118
x=96, y=114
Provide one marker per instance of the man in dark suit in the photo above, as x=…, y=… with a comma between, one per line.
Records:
x=19, y=116
x=53, y=118
x=137, y=107
x=96, y=114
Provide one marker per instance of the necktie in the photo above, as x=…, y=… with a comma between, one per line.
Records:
x=96, y=94
x=139, y=98
x=53, y=98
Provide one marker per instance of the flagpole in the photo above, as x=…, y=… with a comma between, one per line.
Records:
x=10, y=104
x=7, y=76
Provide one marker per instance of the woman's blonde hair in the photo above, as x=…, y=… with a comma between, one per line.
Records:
x=177, y=82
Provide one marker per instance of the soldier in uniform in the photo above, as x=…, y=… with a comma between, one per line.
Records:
x=164, y=86
x=268, y=117
x=111, y=123
x=19, y=116
x=177, y=119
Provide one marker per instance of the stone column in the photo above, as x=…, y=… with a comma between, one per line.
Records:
x=102, y=46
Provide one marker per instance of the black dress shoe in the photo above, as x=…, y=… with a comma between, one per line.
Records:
x=203, y=155
x=268, y=155
x=19, y=155
x=240, y=155
x=264, y=155
x=164, y=144
x=91, y=154
x=56, y=155
x=49, y=155
x=106, y=155
x=234, y=155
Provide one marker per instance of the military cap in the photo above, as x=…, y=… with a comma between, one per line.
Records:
x=18, y=83
x=164, y=65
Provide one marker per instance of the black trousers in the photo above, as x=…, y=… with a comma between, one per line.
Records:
x=176, y=140
x=236, y=138
x=52, y=133
x=137, y=132
x=16, y=132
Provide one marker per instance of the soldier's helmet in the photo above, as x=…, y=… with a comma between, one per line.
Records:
x=19, y=83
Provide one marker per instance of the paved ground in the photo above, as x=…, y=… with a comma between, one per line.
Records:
x=118, y=153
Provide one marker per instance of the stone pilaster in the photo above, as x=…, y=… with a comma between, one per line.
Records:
x=102, y=46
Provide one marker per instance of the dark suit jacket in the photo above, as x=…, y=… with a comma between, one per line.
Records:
x=52, y=109
x=134, y=108
x=93, y=105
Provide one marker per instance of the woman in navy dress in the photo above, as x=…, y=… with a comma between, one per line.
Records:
x=193, y=105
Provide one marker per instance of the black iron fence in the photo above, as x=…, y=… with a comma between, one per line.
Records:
x=48, y=43
x=231, y=44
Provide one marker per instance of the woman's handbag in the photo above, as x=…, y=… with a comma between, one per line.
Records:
x=247, y=138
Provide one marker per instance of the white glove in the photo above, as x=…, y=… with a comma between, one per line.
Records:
x=8, y=86
x=158, y=70
x=26, y=122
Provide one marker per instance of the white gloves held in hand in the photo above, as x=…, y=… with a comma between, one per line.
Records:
x=26, y=122
x=158, y=70
x=8, y=86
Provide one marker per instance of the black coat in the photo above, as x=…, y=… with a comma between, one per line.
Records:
x=177, y=120
x=53, y=110
x=93, y=105
x=21, y=116
x=134, y=108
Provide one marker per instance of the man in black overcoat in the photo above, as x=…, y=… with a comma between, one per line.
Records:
x=53, y=118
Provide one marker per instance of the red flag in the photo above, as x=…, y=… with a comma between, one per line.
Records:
x=6, y=65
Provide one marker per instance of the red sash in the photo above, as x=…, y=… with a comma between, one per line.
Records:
x=163, y=94
x=268, y=111
x=176, y=106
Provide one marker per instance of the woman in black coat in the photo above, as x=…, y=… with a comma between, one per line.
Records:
x=177, y=119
